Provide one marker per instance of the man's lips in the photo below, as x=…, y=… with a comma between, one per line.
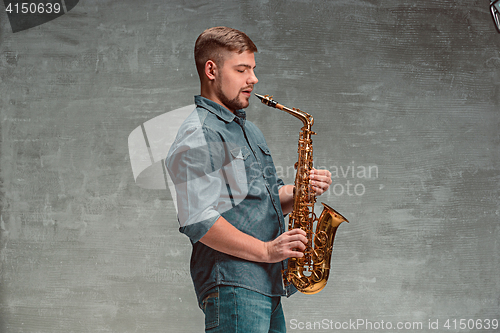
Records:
x=247, y=92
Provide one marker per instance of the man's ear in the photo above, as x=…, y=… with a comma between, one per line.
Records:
x=210, y=69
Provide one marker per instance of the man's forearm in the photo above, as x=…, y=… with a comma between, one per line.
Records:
x=224, y=237
x=286, y=198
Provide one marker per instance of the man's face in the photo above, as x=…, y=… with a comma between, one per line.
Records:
x=235, y=80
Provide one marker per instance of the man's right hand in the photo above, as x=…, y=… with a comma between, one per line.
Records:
x=290, y=244
x=224, y=237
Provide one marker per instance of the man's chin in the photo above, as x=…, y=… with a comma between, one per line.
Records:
x=245, y=101
x=241, y=102
x=245, y=105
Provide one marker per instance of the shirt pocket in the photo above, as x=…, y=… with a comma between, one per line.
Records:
x=239, y=157
x=267, y=161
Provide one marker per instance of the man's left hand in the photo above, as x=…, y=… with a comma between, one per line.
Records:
x=320, y=180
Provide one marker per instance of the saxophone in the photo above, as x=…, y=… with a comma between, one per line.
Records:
x=308, y=274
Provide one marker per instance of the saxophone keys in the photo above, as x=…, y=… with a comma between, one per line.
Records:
x=320, y=239
x=316, y=276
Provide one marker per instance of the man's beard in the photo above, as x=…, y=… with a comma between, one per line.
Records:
x=232, y=104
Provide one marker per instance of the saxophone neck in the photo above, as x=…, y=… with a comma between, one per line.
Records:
x=305, y=117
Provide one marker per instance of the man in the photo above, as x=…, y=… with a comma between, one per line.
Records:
x=230, y=202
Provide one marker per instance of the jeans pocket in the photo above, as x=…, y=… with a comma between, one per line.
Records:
x=211, y=310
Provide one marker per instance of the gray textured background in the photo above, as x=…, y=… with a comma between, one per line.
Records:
x=410, y=89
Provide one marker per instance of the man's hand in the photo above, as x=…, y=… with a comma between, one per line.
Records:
x=320, y=183
x=224, y=237
x=320, y=180
x=288, y=245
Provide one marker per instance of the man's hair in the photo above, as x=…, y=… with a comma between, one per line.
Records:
x=214, y=42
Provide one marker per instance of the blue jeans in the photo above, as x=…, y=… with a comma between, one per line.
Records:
x=231, y=309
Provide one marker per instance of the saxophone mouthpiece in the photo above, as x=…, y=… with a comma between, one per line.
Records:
x=268, y=100
x=259, y=97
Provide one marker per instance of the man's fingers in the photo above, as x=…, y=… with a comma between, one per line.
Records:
x=290, y=244
x=298, y=245
x=322, y=175
x=296, y=231
x=320, y=180
x=296, y=254
x=297, y=235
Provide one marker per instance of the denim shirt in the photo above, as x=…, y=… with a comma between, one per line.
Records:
x=221, y=166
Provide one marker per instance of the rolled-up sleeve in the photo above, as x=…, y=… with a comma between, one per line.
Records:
x=198, y=182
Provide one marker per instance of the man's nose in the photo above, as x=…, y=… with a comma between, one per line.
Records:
x=253, y=79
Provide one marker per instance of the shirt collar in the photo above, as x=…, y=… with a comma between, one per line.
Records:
x=241, y=114
x=218, y=109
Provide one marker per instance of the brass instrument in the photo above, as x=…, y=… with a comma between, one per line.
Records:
x=308, y=274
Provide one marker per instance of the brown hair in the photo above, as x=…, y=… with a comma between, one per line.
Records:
x=212, y=43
